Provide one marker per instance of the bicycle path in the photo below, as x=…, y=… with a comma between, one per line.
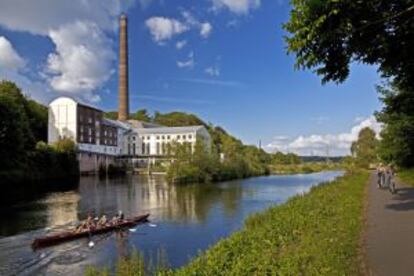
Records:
x=389, y=232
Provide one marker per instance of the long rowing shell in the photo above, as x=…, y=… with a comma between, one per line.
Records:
x=68, y=236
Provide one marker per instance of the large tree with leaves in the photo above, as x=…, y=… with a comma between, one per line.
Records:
x=328, y=35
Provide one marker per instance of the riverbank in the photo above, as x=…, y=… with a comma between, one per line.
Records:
x=316, y=233
x=304, y=168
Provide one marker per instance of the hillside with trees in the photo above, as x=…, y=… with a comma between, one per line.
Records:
x=25, y=156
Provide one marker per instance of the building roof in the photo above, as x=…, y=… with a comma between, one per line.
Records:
x=115, y=123
x=75, y=101
x=168, y=130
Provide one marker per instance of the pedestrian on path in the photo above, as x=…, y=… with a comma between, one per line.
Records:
x=390, y=178
x=379, y=176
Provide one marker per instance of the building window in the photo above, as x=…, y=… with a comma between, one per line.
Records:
x=178, y=137
x=168, y=137
x=184, y=137
x=133, y=138
x=143, y=148
x=133, y=149
x=148, y=149
x=163, y=137
x=129, y=149
x=158, y=137
x=158, y=148
x=190, y=136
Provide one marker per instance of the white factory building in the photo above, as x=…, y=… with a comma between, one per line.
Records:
x=101, y=141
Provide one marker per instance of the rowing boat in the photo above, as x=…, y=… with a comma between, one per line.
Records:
x=53, y=239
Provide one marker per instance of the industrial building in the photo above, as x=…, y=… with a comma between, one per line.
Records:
x=101, y=142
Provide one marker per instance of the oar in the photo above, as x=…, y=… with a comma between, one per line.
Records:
x=90, y=243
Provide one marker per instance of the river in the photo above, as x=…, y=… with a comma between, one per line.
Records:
x=184, y=219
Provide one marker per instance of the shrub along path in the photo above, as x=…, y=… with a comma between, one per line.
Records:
x=389, y=236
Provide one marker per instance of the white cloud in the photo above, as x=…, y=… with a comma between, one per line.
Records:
x=83, y=57
x=334, y=144
x=40, y=16
x=213, y=71
x=189, y=63
x=180, y=44
x=82, y=62
x=9, y=58
x=205, y=29
x=236, y=6
x=163, y=28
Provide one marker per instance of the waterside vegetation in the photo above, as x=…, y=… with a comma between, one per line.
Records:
x=27, y=163
x=302, y=236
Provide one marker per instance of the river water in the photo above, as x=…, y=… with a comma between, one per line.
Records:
x=184, y=219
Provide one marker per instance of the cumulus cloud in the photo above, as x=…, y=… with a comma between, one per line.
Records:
x=9, y=58
x=83, y=56
x=82, y=61
x=236, y=6
x=213, y=71
x=40, y=16
x=163, y=28
x=334, y=144
x=189, y=63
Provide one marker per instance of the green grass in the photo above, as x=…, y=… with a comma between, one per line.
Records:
x=310, y=167
x=407, y=176
x=313, y=234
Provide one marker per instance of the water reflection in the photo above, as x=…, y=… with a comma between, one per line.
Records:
x=189, y=218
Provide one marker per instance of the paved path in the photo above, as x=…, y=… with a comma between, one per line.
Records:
x=389, y=236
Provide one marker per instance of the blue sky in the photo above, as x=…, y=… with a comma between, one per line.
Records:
x=224, y=60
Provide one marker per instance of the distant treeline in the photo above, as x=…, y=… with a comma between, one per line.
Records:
x=335, y=159
x=25, y=156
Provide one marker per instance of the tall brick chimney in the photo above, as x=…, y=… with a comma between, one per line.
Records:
x=123, y=108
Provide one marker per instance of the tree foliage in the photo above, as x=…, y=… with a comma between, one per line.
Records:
x=23, y=130
x=397, y=136
x=365, y=148
x=173, y=119
x=141, y=115
x=327, y=35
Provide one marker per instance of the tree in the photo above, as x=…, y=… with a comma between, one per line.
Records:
x=113, y=115
x=11, y=134
x=141, y=115
x=397, y=143
x=365, y=148
x=327, y=35
x=177, y=119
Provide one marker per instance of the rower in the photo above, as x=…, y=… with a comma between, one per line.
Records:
x=102, y=221
x=120, y=216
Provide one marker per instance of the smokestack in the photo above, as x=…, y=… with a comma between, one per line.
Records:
x=123, y=109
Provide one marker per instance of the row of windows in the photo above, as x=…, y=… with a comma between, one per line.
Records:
x=165, y=137
x=161, y=148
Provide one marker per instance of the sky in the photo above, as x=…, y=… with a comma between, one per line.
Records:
x=224, y=60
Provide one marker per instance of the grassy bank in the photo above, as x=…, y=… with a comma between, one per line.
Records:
x=313, y=234
x=407, y=176
x=310, y=167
